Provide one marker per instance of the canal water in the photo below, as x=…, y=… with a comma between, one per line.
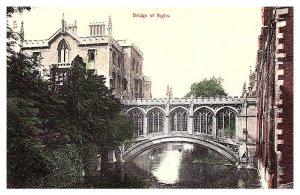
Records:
x=176, y=165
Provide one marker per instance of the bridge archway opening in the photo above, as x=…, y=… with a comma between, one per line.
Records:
x=143, y=146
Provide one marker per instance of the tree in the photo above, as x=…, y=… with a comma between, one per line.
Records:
x=43, y=125
x=26, y=161
x=92, y=113
x=207, y=88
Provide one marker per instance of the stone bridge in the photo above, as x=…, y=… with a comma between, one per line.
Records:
x=224, y=124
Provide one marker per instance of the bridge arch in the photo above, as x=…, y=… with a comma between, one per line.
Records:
x=141, y=147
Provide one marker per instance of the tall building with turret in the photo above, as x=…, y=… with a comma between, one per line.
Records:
x=120, y=61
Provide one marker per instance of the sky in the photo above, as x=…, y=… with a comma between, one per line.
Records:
x=191, y=44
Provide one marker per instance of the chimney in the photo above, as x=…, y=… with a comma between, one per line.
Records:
x=73, y=27
x=97, y=29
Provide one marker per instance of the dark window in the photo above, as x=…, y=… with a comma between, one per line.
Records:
x=137, y=67
x=114, y=58
x=133, y=64
x=91, y=55
x=124, y=84
x=113, y=80
x=119, y=62
x=118, y=82
x=36, y=56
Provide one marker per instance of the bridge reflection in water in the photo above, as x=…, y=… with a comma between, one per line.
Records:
x=177, y=165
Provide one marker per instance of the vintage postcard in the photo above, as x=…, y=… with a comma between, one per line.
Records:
x=150, y=97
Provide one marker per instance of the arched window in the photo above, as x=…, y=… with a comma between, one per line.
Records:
x=178, y=119
x=133, y=64
x=203, y=121
x=155, y=121
x=119, y=82
x=63, y=52
x=137, y=118
x=91, y=55
x=137, y=67
x=226, y=118
x=124, y=84
x=113, y=81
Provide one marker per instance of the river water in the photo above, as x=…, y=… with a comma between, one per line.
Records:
x=176, y=165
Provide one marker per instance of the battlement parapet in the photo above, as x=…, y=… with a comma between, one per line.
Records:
x=189, y=100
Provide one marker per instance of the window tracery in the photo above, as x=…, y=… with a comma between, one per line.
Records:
x=137, y=118
x=226, y=120
x=179, y=118
x=203, y=121
x=155, y=121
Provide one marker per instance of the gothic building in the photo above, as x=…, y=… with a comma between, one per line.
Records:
x=272, y=83
x=120, y=61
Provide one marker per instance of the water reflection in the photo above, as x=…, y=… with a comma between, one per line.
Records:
x=180, y=165
x=168, y=170
x=173, y=165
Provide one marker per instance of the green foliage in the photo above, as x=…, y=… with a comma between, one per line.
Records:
x=12, y=36
x=90, y=106
x=207, y=88
x=121, y=129
x=52, y=138
x=12, y=10
x=26, y=160
x=229, y=132
x=68, y=166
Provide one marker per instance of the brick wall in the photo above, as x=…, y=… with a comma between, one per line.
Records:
x=274, y=87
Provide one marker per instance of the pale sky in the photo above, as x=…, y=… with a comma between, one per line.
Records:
x=192, y=44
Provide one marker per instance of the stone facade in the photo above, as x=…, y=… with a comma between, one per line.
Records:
x=272, y=82
x=120, y=61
